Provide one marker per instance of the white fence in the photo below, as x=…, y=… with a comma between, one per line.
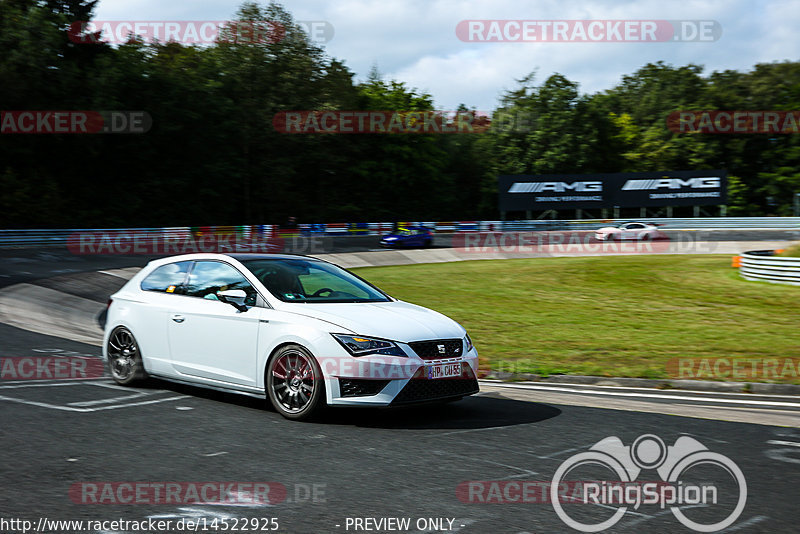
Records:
x=763, y=265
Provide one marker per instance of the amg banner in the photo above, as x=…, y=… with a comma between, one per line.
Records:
x=523, y=192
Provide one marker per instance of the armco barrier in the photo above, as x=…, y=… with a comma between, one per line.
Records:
x=59, y=237
x=765, y=266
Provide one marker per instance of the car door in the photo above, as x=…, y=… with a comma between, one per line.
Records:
x=208, y=338
x=151, y=314
x=632, y=230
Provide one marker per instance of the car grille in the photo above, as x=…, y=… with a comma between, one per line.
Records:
x=352, y=387
x=438, y=349
x=420, y=389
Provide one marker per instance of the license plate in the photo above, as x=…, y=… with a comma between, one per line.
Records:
x=443, y=370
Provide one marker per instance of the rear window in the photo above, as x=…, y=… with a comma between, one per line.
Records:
x=168, y=278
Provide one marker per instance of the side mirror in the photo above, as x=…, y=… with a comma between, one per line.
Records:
x=234, y=297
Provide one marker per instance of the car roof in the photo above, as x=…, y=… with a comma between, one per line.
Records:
x=244, y=256
x=238, y=256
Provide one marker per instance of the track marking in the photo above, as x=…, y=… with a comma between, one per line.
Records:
x=87, y=410
x=112, y=274
x=744, y=524
x=48, y=383
x=84, y=404
x=649, y=396
x=786, y=443
x=627, y=388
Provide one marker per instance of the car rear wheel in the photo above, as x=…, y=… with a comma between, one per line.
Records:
x=294, y=383
x=124, y=357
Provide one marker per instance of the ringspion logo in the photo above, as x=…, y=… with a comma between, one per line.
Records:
x=649, y=453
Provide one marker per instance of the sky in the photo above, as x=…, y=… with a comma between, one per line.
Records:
x=415, y=41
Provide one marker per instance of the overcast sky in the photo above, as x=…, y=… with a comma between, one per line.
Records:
x=415, y=41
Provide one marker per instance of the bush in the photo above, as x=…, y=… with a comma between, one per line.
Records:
x=791, y=252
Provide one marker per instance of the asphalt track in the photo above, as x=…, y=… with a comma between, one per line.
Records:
x=358, y=464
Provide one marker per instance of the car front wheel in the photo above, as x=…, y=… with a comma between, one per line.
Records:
x=294, y=383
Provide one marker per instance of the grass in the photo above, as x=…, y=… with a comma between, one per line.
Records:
x=791, y=252
x=605, y=316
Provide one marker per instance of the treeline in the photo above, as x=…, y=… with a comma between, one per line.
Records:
x=213, y=156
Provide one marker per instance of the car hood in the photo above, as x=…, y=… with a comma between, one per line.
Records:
x=398, y=320
x=607, y=229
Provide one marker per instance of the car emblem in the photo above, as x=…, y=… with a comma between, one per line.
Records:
x=441, y=348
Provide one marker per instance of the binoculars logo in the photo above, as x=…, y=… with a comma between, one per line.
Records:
x=648, y=452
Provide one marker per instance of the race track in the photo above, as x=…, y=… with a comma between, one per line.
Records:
x=407, y=463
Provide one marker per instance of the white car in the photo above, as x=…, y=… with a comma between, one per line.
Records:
x=630, y=230
x=301, y=331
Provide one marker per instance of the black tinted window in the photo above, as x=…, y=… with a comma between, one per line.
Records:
x=167, y=278
x=208, y=277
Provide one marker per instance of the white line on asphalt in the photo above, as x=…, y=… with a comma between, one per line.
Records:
x=87, y=410
x=48, y=384
x=744, y=524
x=627, y=388
x=507, y=466
x=113, y=274
x=787, y=443
x=648, y=396
x=84, y=404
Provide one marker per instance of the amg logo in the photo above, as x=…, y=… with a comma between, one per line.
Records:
x=709, y=182
x=556, y=187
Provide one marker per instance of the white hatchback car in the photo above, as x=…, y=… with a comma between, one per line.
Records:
x=301, y=331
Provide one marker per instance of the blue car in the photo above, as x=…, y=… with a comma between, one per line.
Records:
x=411, y=236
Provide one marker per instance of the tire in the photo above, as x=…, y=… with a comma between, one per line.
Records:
x=294, y=383
x=125, y=358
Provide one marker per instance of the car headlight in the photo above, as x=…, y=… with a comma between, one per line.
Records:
x=363, y=346
x=468, y=342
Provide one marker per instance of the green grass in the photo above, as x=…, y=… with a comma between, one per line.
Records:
x=606, y=316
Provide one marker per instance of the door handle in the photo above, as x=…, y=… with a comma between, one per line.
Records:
x=178, y=318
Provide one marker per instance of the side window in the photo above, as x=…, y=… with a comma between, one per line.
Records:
x=208, y=277
x=167, y=278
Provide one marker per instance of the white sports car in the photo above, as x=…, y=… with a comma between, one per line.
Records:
x=629, y=230
x=301, y=331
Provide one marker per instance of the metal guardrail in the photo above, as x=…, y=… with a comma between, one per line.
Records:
x=60, y=237
x=691, y=223
x=765, y=266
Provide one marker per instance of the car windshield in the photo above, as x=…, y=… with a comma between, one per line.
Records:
x=301, y=280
